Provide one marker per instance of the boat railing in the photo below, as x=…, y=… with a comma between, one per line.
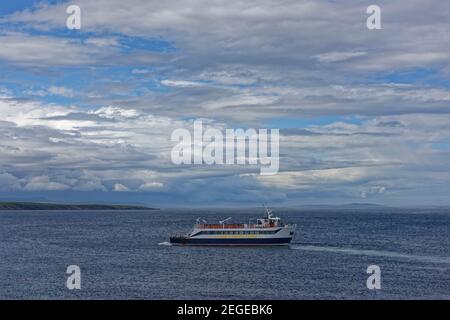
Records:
x=232, y=226
x=179, y=235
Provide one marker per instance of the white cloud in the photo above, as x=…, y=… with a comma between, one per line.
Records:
x=40, y=92
x=9, y=182
x=240, y=100
x=44, y=183
x=151, y=186
x=310, y=178
x=133, y=150
x=112, y=112
x=254, y=62
x=339, y=56
x=372, y=191
x=118, y=187
x=102, y=42
x=40, y=51
x=61, y=91
x=181, y=83
x=140, y=71
x=265, y=32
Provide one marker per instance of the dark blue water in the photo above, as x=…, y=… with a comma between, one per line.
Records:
x=125, y=255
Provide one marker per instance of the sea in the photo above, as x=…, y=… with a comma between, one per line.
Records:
x=127, y=255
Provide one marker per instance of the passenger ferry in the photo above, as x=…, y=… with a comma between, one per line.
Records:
x=268, y=230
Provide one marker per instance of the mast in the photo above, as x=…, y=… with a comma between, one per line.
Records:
x=268, y=212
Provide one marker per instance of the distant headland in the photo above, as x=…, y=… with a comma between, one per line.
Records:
x=58, y=206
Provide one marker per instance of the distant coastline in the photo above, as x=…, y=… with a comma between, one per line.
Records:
x=58, y=206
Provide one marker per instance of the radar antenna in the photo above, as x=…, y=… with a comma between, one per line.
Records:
x=225, y=220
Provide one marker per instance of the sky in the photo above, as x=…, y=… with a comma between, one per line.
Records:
x=364, y=115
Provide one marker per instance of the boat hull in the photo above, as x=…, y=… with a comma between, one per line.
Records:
x=230, y=241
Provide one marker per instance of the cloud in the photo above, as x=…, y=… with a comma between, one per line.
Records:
x=339, y=56
x=255, y=32
x=240, y=100
x=246, y=57
x=32, y=50
x=140, y=71
x=9, y=182
x=151, y=186
x=309, y=178
x=112, y=148
x=44, y=183
x=61, y=91
x=118, y=187
x=143, y=70
x=118, y=149
x=181, y=83
x=111, y=112
x=372, y=191
x=102, y=42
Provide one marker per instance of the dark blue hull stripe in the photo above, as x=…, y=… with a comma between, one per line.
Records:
x=225, y=241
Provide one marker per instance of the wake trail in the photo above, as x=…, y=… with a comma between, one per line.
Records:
x=372, y=253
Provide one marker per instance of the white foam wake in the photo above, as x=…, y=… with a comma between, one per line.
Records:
x=165, y=243
x=373, y=253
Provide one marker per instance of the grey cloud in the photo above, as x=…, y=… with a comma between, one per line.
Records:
x=239, y=64
x=252, y=58
x=130, y=152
